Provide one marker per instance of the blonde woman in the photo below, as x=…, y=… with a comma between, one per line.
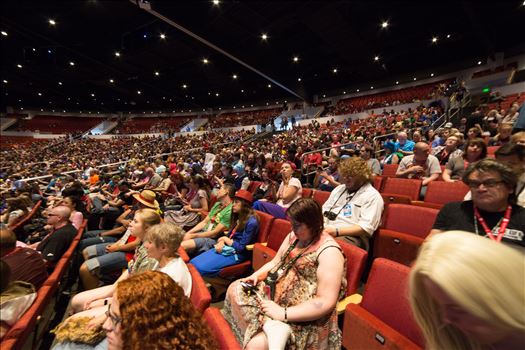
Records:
x=467, y=293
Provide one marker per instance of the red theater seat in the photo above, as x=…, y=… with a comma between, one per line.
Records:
x=389, y=170
x=278, y=232
x=200, y=295
x=383, y=320
x=440, y=193
x=321, y=196
x=220, y=330
x=402, y=187
x=307, y=192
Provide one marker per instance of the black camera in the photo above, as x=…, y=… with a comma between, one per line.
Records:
x=330, y=215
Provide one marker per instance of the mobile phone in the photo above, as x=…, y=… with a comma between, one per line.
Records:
x=247, y=286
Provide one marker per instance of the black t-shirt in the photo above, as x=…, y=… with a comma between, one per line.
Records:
x=460, y=216
x=128, y=200
x=57, y=243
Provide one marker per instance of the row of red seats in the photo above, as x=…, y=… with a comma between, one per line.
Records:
x=37, y=318
x=145, y=124
x=507, y=101
x=56, y=124
x=26, y=219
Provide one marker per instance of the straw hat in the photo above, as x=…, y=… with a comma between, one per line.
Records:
x=147, y=198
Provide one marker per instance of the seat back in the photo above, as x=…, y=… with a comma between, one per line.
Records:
x=389, y=170
x=278, y=232
x=378, y=182
x=213, y=200
x=200, y=295
x=441, y=192
x=254, y=185
x=355, y=264
x=307, y=192
x=405, y=187
x=320, y=196
x=491, y=150
x=414, y=220
x=386, y=297
x=220, y=329
x=265, y=224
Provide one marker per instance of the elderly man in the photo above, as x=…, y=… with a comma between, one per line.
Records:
x=491, y=213
x=403, y=145
x=56, y=243
x=26, y=264
x=449, y=150
x=420, y=165
x=353, y=210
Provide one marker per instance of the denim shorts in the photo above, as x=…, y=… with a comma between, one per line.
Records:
x=204, y=244
x=107, y=263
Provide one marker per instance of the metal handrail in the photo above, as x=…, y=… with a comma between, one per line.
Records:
x=317, y=151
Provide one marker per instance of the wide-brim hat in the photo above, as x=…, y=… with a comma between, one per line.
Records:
x=147, y=198
x=243, y=194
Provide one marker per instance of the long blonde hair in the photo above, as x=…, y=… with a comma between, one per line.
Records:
x=485, y=278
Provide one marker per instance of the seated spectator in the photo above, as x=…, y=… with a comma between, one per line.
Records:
x=421, y=165
x=366, y=154
x=56, y=243
x=392, y=156
x=513, y=155
x=268, y=188
x=76, y=207
x=474, y=133
x=475, y=150
x=149, y=310
x=306, y=279
x=454, y=288
x=161, y=242
x=289, y=191
x=196, y=202
x=327, y=179
x=403, y=145
x=25, y=264
x=492, y=185
x=512, y=115
x=15, y=212
x=231, y=249
x=447, y=151
x=518, y=138
x=165, y=183
x=503, y=136
x=15, y=298
x=203, y=236
x=353, y=210
x=106, y=258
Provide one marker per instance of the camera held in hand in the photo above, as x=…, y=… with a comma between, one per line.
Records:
x=330, y=215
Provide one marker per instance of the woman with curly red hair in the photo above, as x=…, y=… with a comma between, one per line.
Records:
x=150, y=311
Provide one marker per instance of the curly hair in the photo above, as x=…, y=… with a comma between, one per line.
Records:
x=355, y=168
x=156, y=315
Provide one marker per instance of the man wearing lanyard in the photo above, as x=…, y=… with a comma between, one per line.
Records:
x=492, y=212
x=353, y=210
x=202, y=237
x=55, y=244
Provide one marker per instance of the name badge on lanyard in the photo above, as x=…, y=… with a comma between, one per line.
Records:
x=347, y=210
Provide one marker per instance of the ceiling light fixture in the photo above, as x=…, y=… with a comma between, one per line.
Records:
x=434, y=39
x=269, y=86
x=384, y=24
x=157, y=73
x=344, y=92
x=376, y=58
x=117, y=54
x=295, y=59
x=371, y=88
x=234, y=76
x=19, y=65
x=205, y=61
x=163, y=36
x=92, y=95
x=52, y=22
x=71, y=63
x=217, y=94
x=415, y=78
x=334, y=70
x=479, y=63
x=397, y=82
x=59, y=83
x=111, y=81
x=298, y=79
x=357, y=90
x=448, y=36
x=139, y=92
x=5, y=81
x=184, y=86
x=39, y=94
x=264, y=36
x=4, y=33
x=216, y=2
x=431, y=74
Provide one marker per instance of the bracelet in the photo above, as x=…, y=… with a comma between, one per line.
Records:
x=336, y=232
x=286, y=314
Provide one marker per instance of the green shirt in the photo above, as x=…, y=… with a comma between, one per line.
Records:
x=220, y=216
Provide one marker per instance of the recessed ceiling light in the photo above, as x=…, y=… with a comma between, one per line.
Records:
x=92, y=95
x=269, y=86
x=479, y=63
x=59, y=83
x=41, y=109
x=21, y=108
x=52, y=22
x=357, y=90
x=334, y=70
x=415, y=78
x=397, y=82
x=139, y=92
x=448, y=36
x=216, y=2
x=434, y=39
x=264, y=36
x=431, y=74
x=19, y=65
x=4, y=33
x=242, y=90
x=71, y=63
x=234, y=76
x=111, y=81
x=39, y=94
x=157, y=73
x=384, y=24
x=376, y=58
x=298, y=79
x=217, y=94
x=5, y=81
x=371, y=88
x=163, y=36
x=117, y=54
x=295, y=59
x=344, y=92
x=184, y=86
x=205, y=61
x=324, y=96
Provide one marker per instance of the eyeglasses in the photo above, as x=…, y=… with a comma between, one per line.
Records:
x=115, y=320
x=487, y=183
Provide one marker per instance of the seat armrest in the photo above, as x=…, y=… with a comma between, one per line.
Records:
x=250, y=246
x=351, y=299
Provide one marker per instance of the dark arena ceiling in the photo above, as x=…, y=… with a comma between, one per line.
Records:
x=63, y=54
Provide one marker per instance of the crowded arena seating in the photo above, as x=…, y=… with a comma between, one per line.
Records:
x=506, y=102
x=224, y=120
x=390, y=98
x=56, y=124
